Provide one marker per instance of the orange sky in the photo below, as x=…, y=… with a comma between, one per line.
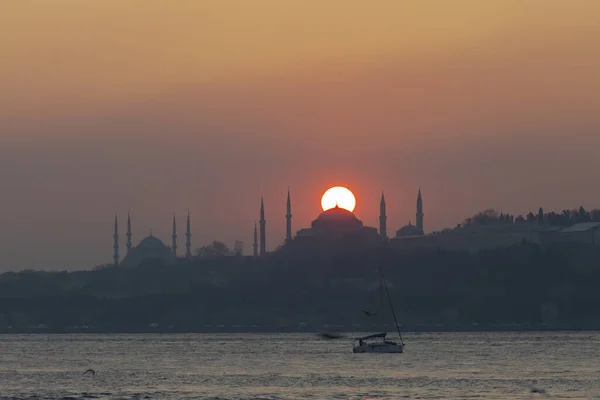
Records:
x=160, y=106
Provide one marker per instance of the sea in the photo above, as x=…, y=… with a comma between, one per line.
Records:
x=525, y=365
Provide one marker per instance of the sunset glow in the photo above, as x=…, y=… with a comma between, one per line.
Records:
x=338, y=196
x=134, y=97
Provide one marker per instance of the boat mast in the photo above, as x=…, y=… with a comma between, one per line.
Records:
x=391, y=305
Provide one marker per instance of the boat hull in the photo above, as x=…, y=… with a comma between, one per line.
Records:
x=379, y=348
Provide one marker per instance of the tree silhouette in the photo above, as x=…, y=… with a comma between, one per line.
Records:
x=583, y=215
x=483, y=217
x=214, y=250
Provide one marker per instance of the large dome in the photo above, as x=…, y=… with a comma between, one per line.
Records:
x=337, y=219
x=151, y=242
x=337, y=214
x=339, y=224
x=149, y=247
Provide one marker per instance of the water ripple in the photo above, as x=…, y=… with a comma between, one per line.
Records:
x=296, y=366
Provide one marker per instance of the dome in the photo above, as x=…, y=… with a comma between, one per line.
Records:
x=151, y=242
x=409, y=230
x=337, y=219
x=149, y=247
x=338, y=226
x=337, y=214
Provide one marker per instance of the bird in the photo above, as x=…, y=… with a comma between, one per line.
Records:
x=369, y=313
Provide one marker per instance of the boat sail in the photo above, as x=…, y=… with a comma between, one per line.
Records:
x=370, y=344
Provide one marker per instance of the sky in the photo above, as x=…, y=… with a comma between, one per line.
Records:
x=164, y=106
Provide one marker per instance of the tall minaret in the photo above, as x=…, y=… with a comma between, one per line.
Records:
x=174, y=237
x=116, y=243
x=420, y=211
x=188, y=238
x=288, y=219
x=128, y=232
x=255, y=245
x=382, y=218
x=263, y=233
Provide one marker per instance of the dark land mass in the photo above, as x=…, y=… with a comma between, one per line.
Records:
x=524, y=287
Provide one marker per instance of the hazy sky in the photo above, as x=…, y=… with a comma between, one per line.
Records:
x=161, y=106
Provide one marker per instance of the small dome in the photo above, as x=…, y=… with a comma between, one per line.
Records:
x=409, y=230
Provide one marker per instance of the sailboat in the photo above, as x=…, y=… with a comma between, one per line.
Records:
x=377, y=343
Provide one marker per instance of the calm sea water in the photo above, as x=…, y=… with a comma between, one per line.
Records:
x=299, y=366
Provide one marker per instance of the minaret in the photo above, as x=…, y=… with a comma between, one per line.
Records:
x=263, y=233
x=288, y=219
x=382, y=218
x=174, y=237
x=255, y=245
x=420, y=211
x=128, y=232
x=116, y=243
x=188, y=238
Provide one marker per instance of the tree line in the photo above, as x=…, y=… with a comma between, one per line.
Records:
x=563, y=219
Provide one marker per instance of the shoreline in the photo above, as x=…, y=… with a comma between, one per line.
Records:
x=339, y=329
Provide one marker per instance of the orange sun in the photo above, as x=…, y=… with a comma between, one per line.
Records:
x=338, y=196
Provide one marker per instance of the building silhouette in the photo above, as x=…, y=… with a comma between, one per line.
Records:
x=333, y=225
x=382, y=218
x=263, y=227
x=255, y=243
x=420, y=212
x=150, y=247
x=410, y=229
x=337, y=225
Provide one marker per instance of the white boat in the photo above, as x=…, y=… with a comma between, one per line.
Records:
x=370, y=344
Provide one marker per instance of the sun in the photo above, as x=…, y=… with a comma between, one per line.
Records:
x=338, y=196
